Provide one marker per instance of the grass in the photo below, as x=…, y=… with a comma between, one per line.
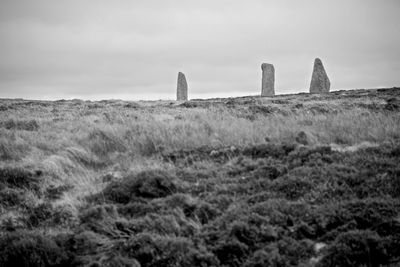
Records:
x=223, y=182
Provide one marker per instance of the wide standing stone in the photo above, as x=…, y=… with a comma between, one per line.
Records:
x=268, y=80
x=182, y=88
x=319, y=81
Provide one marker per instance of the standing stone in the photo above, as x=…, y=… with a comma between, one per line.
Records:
x=268, y=80
x=182, y=88
x=319, y=81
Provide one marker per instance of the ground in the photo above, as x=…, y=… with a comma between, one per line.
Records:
x=293, y=180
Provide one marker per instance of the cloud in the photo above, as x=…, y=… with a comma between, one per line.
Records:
x=135, y=48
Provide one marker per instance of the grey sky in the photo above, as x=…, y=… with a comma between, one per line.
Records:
x=131, y=49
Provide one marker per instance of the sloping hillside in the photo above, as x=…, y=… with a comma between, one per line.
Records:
x=294, y=180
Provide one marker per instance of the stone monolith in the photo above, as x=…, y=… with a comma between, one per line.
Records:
x=268, y=80
x=182, y=88
x=319, y=81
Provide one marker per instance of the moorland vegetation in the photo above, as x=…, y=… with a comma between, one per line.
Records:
x=294, y=180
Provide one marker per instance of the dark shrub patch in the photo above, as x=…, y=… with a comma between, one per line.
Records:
x=143, y=248
x=286, y=252
x=320, y=109
x=40, y=214
x=370, y=212
x=147, y=184
x=263, y=110
x=269, y=150
x=173, y=223
x=378, y=174
x=98, y=213
x=390, y=231
x=64, y=216
x=55, y=192
x=132, y=105
x=392, y=104
x=269, y=172
x=243, y=233
x=302, y=138
x=31, y=125
x=294, y=251
x=394, y=183
x=262, y=258
x=312, y=156
x=395, y=151
x=191, y=175
x=195, y=104
x=114, y=261
x=280, y=211
x=31, y=249
x=231, y=252
x=20, y=178
x=86, y=242
x=389, y=91
x=329, y=220
x=184, y=201
x=154, y=250
x=236, y=234
x=241, y=165
x=12, y=222
x=101, y=219
x=206, y=212
x=388, y=228
x=191, y=207
x=220, y=201
x=11, y=197
x=187, y=157
x=136, y=209
x=328, y=181
x=292, y=187
x=374, y=160
x=281, y=101
x=298, y=106
x=259, y=168
x=356, y=248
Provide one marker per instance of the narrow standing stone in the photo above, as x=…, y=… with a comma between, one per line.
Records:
x=268, y=80
x=319, y=81
x=182, y=88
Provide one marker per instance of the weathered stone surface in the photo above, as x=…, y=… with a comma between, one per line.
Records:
x=319, y=81
x=268, y=80
x=182, y=88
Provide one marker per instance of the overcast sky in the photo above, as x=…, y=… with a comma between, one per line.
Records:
x=134, y=49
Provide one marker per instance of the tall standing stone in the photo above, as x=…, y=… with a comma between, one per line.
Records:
x=268, y=80
x=182, y=88
x=319, y=81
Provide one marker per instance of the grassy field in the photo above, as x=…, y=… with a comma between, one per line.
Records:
x=294, y=180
